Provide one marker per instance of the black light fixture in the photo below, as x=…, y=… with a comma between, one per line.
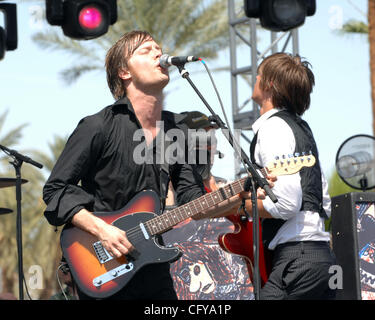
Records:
x=8, y=34
x=82, y=19
x=280, y=15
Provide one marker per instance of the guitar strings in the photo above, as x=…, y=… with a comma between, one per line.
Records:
x=135, y=234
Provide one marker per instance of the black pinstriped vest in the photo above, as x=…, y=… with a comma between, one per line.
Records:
x=311, y=177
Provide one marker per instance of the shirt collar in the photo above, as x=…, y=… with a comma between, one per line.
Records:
x=126, y=102
x=258, y=123
x=165, y=115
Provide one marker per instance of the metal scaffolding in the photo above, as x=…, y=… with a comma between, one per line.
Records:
x=245, y=113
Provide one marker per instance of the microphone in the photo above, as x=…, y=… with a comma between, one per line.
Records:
x=167, y=61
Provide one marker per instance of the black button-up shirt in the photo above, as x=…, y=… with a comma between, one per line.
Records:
x=96, y=169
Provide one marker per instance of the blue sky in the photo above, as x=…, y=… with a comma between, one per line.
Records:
x=33, y=93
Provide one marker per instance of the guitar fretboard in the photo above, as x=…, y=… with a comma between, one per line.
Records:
x=171, y=218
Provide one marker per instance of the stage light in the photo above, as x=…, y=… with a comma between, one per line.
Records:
x=8, y=34
x=280, y=15
x=82, y=19
x=90, y=18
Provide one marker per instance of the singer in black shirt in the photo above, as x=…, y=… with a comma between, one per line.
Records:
x=100, y=155
x=97, y=171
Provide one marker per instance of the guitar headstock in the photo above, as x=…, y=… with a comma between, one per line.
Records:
x=290, y=164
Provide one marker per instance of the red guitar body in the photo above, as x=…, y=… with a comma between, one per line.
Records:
x=240, y=242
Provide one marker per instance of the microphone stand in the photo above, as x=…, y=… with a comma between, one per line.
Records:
x=17, y=162
x=256, y=180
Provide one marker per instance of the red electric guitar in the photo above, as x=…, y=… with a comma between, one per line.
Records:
x=240, y=241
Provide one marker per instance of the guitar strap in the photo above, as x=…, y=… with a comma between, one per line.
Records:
x=164, y=182
x=164, y=166
x=164, y=176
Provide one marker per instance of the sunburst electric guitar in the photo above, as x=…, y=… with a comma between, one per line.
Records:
x=240, y=242
x=100, y=275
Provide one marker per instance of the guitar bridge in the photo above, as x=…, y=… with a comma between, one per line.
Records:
x=112, y=274
x=101, y=253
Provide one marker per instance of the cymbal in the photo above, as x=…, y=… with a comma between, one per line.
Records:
x=10, y=182
x=5, y=210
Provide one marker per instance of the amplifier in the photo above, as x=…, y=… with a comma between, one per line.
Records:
x=353, y=240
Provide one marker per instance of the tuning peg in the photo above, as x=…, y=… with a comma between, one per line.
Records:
x=296, y=154
x=311, y=156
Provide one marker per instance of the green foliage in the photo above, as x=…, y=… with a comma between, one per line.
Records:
x=40, y=241
x=337, y=186
x=181, y=27
x=354, y=26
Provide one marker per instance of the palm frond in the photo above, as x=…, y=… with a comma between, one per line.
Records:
x=56, y=41
x=73, y=73
x=181, y=27
x=354, y=27
x=3, y=118
x=13, y=136
x=55, y=148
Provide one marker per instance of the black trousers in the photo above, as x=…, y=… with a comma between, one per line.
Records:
x=300, y=271
x=152, y=282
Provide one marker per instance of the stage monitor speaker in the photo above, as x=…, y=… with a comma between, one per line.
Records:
x=353, y=240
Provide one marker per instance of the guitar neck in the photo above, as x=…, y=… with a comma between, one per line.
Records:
x=171, y=218
x=283, y=166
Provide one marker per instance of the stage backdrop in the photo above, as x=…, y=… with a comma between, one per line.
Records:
x=205, y=271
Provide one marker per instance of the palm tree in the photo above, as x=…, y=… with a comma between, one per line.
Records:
x=45, y=245
x=359, y=27
x=182, y=27
x=55, y=148
x=40, y=241
x=336, y=185
x=371, y=33
x=30, y=204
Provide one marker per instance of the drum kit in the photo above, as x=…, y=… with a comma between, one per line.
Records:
x=5, y=183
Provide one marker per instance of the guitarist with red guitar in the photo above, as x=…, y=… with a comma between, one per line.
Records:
x=109, y=185
x=293, y=228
